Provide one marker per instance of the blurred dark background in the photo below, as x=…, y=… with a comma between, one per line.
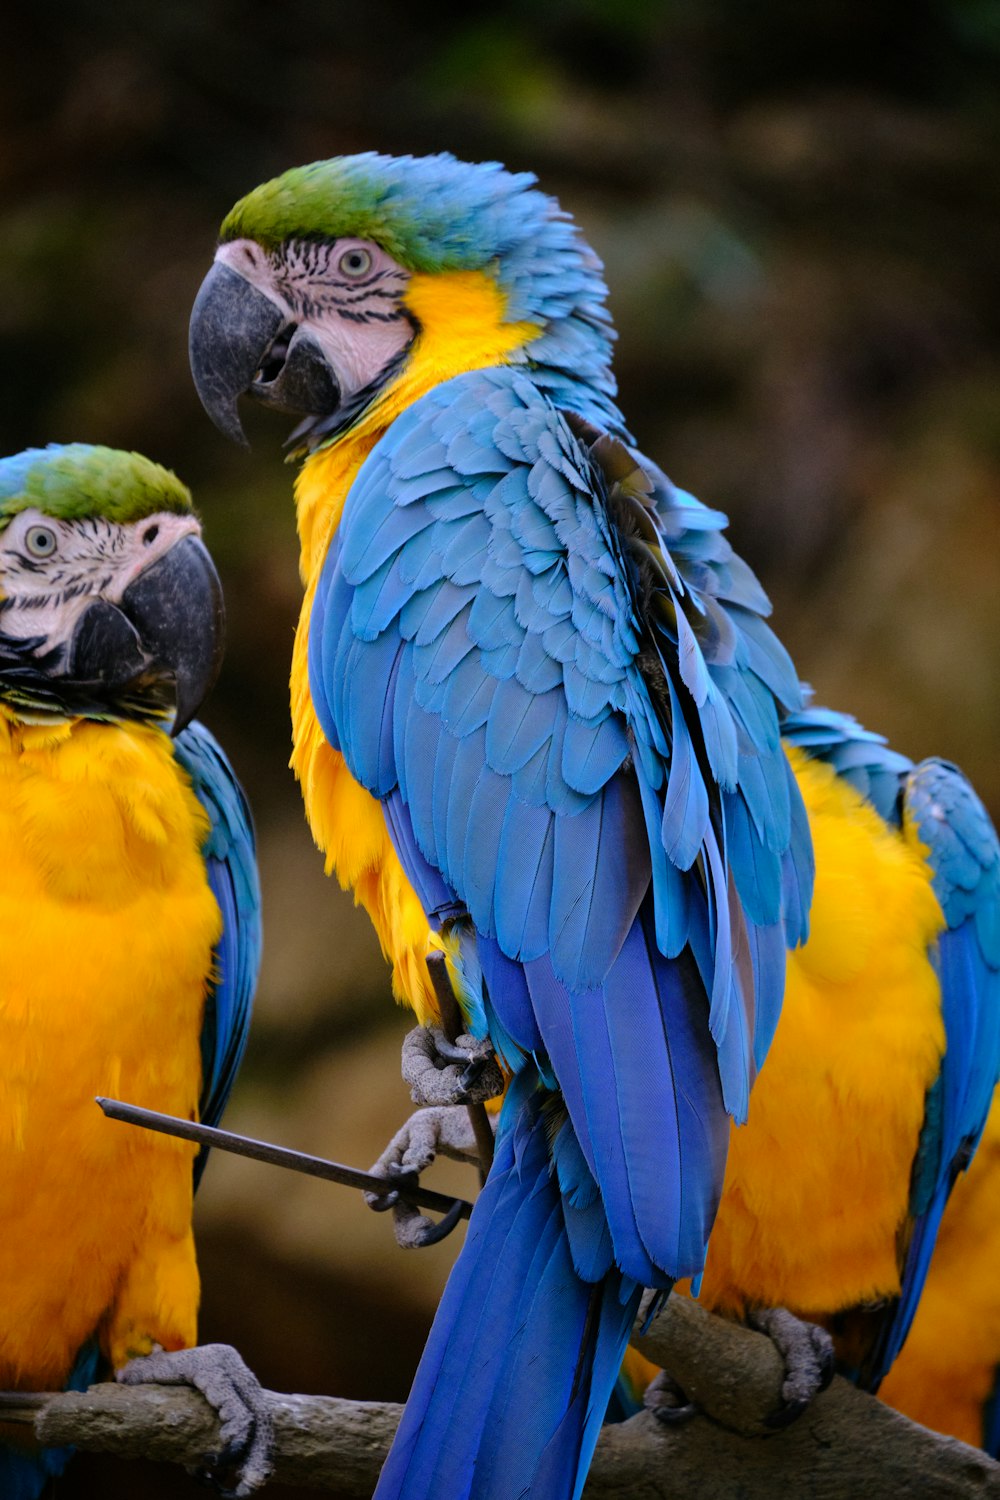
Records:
x=798, y=210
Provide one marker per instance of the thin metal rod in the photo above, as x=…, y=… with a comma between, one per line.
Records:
x=407, y=1188
x=452, y=1025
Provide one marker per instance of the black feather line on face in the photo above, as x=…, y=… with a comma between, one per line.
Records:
x=31, y=684
x=315, y=431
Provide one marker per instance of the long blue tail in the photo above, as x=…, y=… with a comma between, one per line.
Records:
x=523, y=1355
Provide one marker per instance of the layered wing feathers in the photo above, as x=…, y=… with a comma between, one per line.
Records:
x=230, y=861
x=552, y=666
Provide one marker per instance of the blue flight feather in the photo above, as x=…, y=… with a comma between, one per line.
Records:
x=529, y=1421
x=231, y=865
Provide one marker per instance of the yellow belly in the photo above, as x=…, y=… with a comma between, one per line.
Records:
x=817, y=1181
x=107, y=925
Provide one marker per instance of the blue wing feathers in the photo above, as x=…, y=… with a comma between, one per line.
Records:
x=685, y=806
x=230, y=859
x=525, y=862
x=571, y=708
x=526, y=507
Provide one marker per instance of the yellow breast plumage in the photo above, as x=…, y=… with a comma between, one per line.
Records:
x=107, y=926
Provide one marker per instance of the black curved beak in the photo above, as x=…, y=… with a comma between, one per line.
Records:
x=232, y=328
x=240, y=344
x=169, y=626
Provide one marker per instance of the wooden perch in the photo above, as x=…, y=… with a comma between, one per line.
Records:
x=846, y=1445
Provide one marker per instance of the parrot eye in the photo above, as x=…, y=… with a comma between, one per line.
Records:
x=40, y=541
x=355, y=263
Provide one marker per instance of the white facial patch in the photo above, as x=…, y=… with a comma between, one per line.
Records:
x=51, y=571
x=347, y=292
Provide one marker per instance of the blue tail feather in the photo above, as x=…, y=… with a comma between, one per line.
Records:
x=522, y=1350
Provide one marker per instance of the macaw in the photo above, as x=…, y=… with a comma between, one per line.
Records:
x=537, y=718
x=131, y=909
x=757, y=1252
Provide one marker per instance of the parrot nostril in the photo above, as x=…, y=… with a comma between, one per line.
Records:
x=149, y=535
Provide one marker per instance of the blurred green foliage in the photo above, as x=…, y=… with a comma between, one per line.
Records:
x=798, y=210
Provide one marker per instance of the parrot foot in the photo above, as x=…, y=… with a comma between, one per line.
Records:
x=243, y=1463
x=667, y=1402
x=443, y=1130
x=440, y=1072
x=809, y=1359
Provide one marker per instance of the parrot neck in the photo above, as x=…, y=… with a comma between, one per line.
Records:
x=460, y=316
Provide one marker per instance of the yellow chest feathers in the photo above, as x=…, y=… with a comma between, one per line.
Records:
x=96, y=812
x=107, y=922
x=107, y=926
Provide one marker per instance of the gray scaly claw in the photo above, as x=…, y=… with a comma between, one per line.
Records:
x=444, y=1130
x=809, y=1359
x=246, y=1431
x=440, y=1072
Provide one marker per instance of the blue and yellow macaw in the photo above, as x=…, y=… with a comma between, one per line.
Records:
x=537, y=716
x=862, y=1266
x=130, y=903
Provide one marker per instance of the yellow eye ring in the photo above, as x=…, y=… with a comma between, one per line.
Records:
x=40, y=541
x=355, y=263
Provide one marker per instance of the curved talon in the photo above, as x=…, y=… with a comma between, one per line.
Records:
x=671, y=1415
x=665, y=1400
x=473, y=1073
x=382, y=1205
x=403, y=1179
x=435, y=1233
x=447, y=1049
x=786, y=1414
x=214, y=1465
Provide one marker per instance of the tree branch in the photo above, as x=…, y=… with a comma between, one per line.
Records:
x=845, y=1445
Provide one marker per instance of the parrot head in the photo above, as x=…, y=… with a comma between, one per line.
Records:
x=335, y=280
x=110, y=605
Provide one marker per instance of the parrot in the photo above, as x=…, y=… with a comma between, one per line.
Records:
x=948, y=1364
x=537, y=718
x=131, y=906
